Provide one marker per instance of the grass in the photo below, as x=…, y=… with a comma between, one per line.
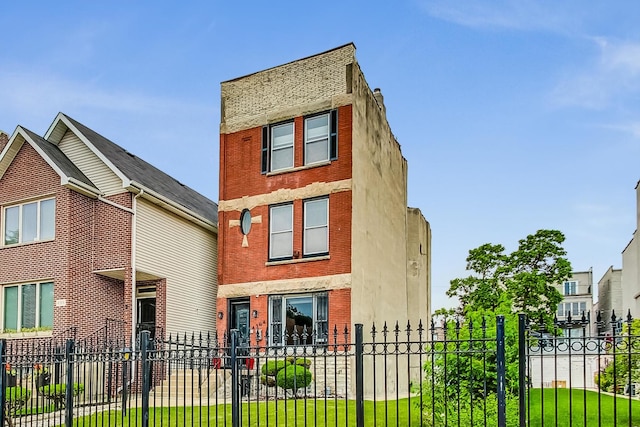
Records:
x=274, y=413
x=402, y=413
x=574, y=414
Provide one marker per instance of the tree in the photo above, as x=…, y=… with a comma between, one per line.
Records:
x=519, y=282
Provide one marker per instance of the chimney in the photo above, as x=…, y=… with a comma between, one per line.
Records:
x=379, y=99
x=4, y=139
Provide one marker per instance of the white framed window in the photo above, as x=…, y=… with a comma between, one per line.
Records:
x=300, y=319
x=316, y=139
x=570, y=287
x=29, y=222
x=282, y=146
x=281, y=231
x=27, y=306
x=316, y=227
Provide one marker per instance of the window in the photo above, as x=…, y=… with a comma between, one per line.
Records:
x=570, y=287
x=28, y=306
x=299, y=319
x=316, y=227
x=576, y=309
x=282, y=146
x=281, y=232
x=320, y=142
x=29, y=222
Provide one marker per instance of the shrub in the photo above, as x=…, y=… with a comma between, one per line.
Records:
x=294, y=377
x=272, y=367
x=16, y=397
x=303, y=361
x=57, y=393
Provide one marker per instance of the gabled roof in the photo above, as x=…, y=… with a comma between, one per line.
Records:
x=68, y=168
x=135, y=172
x=69, y=173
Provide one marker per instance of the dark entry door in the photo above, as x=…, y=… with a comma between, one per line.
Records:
x=147, y=315
x=240, y=320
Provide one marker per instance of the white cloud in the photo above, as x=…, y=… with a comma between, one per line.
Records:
x=612, y=77
x=507, y=14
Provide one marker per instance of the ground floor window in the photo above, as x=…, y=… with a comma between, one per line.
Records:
x=28, y=306
x=298, y=319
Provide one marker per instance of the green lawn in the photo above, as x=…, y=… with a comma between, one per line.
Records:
x=274, y=413
x=574, y=415
x=402, y=413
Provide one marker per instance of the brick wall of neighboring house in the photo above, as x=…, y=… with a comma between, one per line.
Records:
x=82, y=298
x=4, y=138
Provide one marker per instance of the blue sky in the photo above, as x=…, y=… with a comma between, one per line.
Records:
x=513, y=115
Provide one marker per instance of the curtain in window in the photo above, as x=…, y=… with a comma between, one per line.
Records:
x=282, y=146
x=316, y=139
x=281, y=219
x=316, y=217
x=28, y=306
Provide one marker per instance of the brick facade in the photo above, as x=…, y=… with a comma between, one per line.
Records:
x=87, y=237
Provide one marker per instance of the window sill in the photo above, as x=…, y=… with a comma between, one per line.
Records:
x=18, y=245
x=299, y=168
x=297, y=260
x=31, y=334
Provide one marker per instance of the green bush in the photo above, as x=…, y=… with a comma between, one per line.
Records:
x=272, y=367
x=303, y=361
x=16, y=397
x=57, y=393
x=294, y=377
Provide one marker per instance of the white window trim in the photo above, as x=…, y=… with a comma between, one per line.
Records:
x=271, y=232
x=305, y=228
x=570, y=282
x=272, y=149
x=19, y=308
x=328, y=138
x=38, y=221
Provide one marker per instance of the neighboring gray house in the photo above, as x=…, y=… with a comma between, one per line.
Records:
x=610, y=299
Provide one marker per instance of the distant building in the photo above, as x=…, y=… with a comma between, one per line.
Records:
x=576, y=304
x=610, y=299
x=630, y=267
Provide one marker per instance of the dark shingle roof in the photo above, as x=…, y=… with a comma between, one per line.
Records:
x=59, y=158
x=136, y=169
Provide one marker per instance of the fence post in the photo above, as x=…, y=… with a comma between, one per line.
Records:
x=3, y=382
x=235, y=389
x=68, y=409
x=500, y=356
x=522, y=371
x=359, y=377
x=144, y=355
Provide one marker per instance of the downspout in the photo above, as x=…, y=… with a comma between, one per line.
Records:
x=134, y=308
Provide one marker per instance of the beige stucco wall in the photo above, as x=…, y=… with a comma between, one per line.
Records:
x=629, y=279
x=171, y=247
x=418, y=268
x=90, y=165
x=379, y=225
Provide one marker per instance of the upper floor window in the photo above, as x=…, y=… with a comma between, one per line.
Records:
x=282, y=146
x=570, y=287
x=316, y=227
x=29, y=222
x=319, y=144
x=281, y=231
x=28, y=306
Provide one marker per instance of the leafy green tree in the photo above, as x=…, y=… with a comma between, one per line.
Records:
x=615, y=376
x=522, y=279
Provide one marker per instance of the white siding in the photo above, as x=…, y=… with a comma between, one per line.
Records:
x=186, y=255
x=94, y=168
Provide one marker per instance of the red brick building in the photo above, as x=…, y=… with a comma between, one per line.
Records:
x=89, y=233
x=314, y=225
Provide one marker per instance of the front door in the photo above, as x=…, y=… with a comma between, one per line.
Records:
x=240, y=320
x=147, y=315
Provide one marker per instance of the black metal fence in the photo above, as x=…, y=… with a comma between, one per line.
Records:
x=483, y=372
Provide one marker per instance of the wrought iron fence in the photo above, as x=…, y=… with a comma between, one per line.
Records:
x=483, y=372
